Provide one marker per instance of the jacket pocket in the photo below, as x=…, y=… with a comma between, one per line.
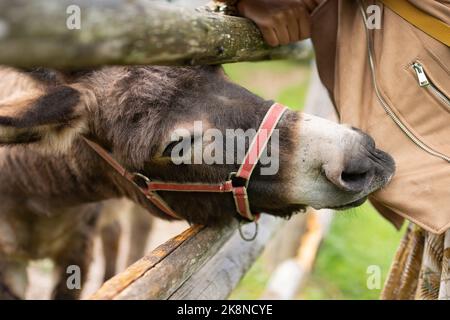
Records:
x=410, y=78
x=418, y=104
x=424, y=80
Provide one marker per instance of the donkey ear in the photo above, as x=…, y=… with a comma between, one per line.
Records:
x=53, y=117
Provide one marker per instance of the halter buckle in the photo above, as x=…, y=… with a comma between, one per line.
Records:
x=140, y=180
x=238, y=181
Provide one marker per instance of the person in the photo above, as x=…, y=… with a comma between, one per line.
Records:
x=386, y=66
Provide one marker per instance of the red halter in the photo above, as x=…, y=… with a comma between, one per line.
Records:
x=150, y=188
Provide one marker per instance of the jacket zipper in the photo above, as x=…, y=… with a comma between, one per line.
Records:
x=383, y=102
x=425, y=82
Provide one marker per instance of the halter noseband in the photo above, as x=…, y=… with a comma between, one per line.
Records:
x=239, y=190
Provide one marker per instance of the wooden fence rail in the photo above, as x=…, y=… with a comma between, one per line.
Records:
x=126, y=32
x=200, y=263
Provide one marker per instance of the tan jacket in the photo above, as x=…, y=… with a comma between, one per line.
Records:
x=409, y=121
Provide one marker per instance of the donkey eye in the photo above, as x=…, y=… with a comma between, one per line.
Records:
x=168, y=150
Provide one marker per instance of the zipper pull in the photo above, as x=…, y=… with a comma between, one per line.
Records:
x=421, y=76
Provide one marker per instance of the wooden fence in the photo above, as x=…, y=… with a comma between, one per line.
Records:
x=200, y=263
x=36, y=33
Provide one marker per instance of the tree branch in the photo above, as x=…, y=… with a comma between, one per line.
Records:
x=127, y=32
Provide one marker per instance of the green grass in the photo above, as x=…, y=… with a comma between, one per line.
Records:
x=357, y=239
x=293, y=96
x=237, y=71
x=285, y=82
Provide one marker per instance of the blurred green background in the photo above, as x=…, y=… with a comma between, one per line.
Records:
x=358, y=237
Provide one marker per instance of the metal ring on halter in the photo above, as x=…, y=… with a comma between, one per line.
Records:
x=138, y=178
x=241, y=232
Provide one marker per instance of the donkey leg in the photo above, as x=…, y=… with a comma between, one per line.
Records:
x=140, y=226
x=13, y=279
x=73, y=263
x=110, y=234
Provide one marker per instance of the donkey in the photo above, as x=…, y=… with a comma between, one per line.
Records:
x=116, y=217
x=52, y=182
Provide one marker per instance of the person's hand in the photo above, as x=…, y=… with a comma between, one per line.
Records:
x=280, y=21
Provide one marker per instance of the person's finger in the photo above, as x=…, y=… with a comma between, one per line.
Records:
x=282, y=33
x=304, y=23
x=270, y=36
x=293, y=26
x=310, y=5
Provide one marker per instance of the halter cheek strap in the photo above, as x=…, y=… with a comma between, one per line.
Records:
x=237, y=183
x=252, y=157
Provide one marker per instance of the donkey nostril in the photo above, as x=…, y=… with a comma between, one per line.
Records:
x=355, y=178
x=356, y=181
x=351, y=178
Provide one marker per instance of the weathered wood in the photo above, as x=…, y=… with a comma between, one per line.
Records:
x=220, y=275
x=35, y=33
x=285, y=243
x=200, y=263
x=159, y=274
x=116, y=285
x=291, y=274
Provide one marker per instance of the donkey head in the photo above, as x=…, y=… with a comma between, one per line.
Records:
x=183, y=124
